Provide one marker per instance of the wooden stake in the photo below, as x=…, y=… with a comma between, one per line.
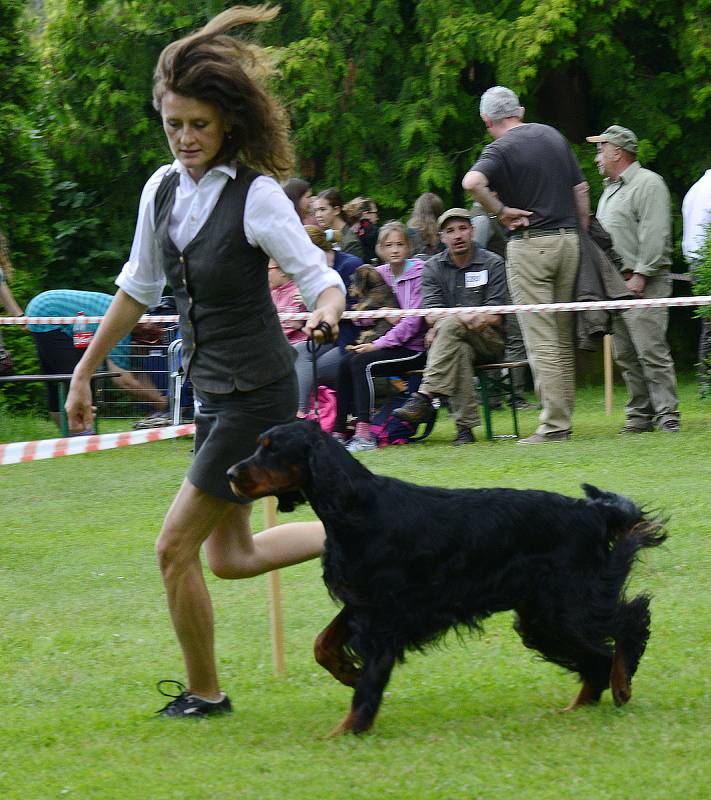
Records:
x=607, y=371
x=276, y=617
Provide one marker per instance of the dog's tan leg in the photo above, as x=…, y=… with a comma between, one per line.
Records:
x=588, y=694
x=620, y=682
x=345, y=726
x=330, y=653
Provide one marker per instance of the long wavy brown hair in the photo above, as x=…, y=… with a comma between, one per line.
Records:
x=232, y=74
x=428, y=207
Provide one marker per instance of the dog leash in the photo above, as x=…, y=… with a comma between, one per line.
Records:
x=313, y=345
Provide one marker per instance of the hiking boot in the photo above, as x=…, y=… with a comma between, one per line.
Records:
x=670, y=426
x=464, y=436
x=188, y=705
x=645, y=427
x=543, y=438
x=522, y=404
x=417, y=409
x=358, y=444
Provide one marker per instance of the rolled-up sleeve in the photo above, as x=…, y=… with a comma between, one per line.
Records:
x=142, y=276
x=271, y=223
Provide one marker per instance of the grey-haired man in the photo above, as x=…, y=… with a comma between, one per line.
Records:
x=529, y=177
x=635, y=209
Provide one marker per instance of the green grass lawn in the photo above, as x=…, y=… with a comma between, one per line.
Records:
x=85, y=635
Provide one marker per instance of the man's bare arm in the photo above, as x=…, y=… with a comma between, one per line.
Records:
x=478, y=184
x=581, y=193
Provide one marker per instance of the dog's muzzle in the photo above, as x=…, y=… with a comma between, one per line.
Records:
x=249, y=481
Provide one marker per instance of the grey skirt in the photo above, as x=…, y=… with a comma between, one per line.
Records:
x=227, y=427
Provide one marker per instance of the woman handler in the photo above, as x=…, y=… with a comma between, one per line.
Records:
x=208, y=223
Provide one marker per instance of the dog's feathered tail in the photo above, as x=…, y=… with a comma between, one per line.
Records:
x=626, y=520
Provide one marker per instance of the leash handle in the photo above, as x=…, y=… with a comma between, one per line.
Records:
x=313, y=344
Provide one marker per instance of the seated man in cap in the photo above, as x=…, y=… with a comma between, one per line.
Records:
x=635, y=209
x=463, y=275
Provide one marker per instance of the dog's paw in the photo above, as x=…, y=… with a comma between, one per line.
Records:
x=587, y=695
x=344, y=726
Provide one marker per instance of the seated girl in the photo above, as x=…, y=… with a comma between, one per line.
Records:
x=362, y=214
x=328, y=211
x=400, y=349
x=287, y=298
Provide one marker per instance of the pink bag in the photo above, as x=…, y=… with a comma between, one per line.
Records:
x=326, y=407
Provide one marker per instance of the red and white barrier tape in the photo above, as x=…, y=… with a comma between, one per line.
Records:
x=20, y=452
x=607, y=305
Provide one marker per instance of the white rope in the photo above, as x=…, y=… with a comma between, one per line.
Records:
x=533, y=308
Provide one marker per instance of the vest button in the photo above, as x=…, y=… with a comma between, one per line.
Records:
x=182, y=260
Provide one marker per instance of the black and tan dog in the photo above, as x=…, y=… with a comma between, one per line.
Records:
x=409, y=562
x=372, y=292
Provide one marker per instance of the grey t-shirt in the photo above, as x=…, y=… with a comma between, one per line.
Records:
x=532, y=167
x=480, y=282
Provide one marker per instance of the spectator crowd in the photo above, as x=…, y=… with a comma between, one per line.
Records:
x=528, y=237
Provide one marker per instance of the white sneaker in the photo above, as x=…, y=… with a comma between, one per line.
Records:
x=359, y=443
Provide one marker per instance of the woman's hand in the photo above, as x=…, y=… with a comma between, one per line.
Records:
x=329, y=307
x=80, y=411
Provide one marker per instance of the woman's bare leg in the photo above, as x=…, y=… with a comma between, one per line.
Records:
x=189, y=521
x=232, y=551
x=195, y=518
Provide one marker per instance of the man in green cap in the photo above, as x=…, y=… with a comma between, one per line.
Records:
x=635, y=209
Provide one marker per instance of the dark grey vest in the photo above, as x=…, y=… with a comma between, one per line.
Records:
x=231, y=334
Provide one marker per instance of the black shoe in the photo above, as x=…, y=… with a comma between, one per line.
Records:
x=187, y=705
x=464, y=436
x=417, y=409
x=645, y=427
x=670, y=426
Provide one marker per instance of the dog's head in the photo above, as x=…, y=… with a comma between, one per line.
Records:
x=279, y=466
x=364, y=280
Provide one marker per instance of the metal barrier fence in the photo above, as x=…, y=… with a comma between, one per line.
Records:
x=150, y=363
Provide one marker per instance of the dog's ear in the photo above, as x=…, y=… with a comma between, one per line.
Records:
x=333, y=472
x=288, y=501
x=373, y=278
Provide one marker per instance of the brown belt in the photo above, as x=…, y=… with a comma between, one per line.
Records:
x=532, y=233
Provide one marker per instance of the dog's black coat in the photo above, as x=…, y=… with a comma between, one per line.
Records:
x=409, y=562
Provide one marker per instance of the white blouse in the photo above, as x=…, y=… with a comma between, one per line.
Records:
x=270, y=223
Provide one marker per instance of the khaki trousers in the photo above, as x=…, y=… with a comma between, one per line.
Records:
x=543, y=269
x=450, y=365
x=642, y=353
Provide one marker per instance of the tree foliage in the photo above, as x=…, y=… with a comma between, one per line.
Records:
x=383, y=95
x=24, y=181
